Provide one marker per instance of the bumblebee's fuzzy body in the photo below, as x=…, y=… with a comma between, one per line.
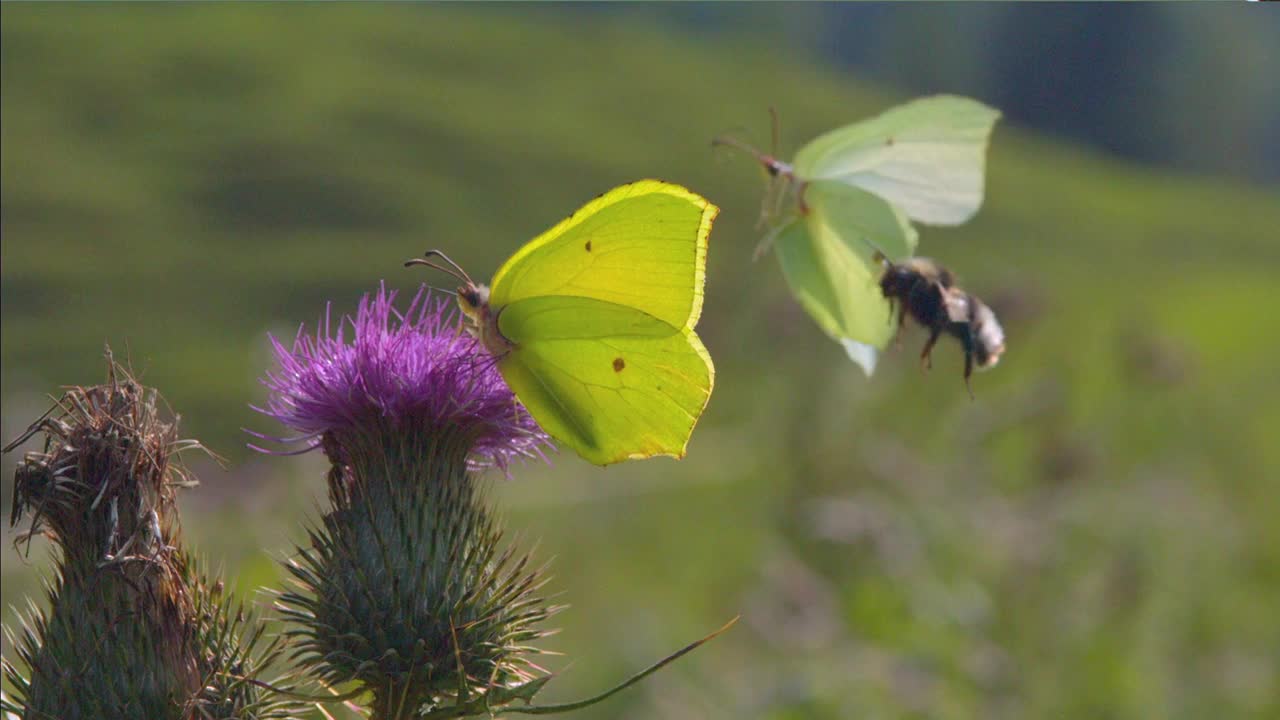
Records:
x=927, y=292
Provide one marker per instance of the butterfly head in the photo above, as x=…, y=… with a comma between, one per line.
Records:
x=482, y=321
x=770, y=162
x=473, y=300
x=772, y=165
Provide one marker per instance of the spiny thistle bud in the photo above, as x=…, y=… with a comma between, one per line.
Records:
x=404, y=589
x=133, y=629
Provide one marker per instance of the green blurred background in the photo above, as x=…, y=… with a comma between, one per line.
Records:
x=1094, y=536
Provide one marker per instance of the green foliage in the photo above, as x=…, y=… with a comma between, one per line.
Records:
x=1093, y=536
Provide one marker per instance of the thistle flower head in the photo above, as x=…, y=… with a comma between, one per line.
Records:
x=415, y=370
x=405, y=587
x=132, y=628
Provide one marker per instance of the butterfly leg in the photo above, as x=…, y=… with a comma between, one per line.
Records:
x=764, y=245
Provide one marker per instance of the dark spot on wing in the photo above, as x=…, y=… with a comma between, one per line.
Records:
x=888, y=140
x=588, y=246
x=618, y=364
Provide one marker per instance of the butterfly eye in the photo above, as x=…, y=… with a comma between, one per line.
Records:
x=468, y=297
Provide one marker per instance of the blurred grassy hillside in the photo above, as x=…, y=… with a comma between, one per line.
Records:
x=1093, y=536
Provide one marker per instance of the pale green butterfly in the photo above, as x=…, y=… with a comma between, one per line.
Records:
x=850, y=196
x=592, y=322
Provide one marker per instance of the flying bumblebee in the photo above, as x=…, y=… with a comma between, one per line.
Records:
x=926, y=291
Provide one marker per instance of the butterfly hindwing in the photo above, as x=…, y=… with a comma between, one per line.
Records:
x=610, y=381
x=829, y=258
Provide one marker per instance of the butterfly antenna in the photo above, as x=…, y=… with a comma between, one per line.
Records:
x=435, y=266
x=735, y=143
x=440, y=289
x=771, y=164
x=449, y=260
x=452, y=268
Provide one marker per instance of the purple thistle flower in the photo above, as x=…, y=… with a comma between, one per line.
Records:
x=417, y=370
x=404, y=586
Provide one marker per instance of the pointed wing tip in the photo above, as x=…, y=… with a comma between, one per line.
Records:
x=863, y=355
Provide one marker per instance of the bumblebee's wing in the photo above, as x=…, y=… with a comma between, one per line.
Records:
x=959, y=305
